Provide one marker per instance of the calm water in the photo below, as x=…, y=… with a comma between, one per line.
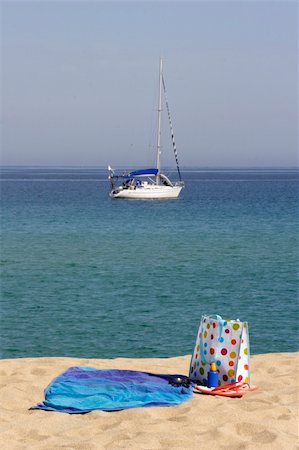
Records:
x=85, y=275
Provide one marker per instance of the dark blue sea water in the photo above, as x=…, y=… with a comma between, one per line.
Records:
x=89, y=276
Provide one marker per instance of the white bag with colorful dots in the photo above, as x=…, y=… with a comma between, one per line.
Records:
x=225, y=342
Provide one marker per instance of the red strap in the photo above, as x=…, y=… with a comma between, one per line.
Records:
x=228, y=387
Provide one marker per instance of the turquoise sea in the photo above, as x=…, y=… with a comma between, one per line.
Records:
x=89, y=276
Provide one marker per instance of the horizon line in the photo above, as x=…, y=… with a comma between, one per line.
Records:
x=65, y=166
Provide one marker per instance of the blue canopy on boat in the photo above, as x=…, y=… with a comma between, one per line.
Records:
x=143, y=172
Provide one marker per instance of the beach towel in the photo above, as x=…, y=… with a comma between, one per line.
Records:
x=84, y=389
x=225, y=342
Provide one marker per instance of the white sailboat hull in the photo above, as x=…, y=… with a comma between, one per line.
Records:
x=152, y=191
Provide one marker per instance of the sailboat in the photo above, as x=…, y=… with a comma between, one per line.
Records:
x=149, y=183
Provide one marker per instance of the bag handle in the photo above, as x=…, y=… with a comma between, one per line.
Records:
x=221, y=324
x=214, y=316
x=220, y=339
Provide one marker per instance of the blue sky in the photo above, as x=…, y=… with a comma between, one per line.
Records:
x=80, y=82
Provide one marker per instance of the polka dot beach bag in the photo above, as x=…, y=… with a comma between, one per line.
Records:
x=225, y=342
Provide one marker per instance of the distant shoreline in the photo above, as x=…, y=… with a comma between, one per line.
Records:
x=114, y=358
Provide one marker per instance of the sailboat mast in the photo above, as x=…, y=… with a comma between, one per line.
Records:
x=159, y=123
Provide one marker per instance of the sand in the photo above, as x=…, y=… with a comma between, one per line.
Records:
x=266, y=419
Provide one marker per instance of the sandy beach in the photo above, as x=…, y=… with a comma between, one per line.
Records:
x=266, y=419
